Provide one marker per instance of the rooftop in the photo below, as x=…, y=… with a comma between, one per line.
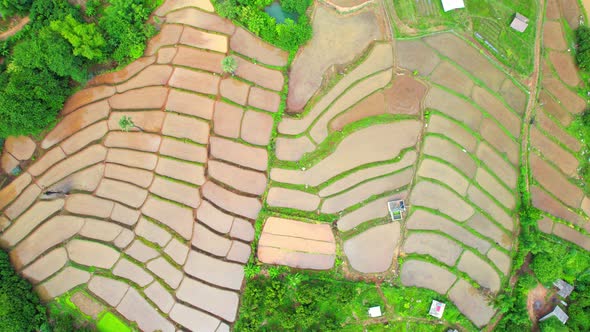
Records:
x=519, y=23
x=452, y=4
x=437, y=309
x=557, y=312
x=564, y=288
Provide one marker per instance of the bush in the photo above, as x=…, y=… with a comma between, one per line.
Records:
x=20, y=307
x=552, y=325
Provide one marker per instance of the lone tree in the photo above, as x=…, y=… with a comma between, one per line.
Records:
x=126, y=123
x=229, y=64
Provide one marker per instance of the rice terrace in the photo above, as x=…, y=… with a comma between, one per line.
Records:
x=297, y=165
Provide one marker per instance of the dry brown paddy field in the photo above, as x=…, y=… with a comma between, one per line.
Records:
x=553, y=157
x=159, y=220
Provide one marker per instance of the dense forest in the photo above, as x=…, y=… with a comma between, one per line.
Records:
x=59, y=49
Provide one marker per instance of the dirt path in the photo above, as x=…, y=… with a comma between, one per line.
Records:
x=14, y=29
x=534, y=90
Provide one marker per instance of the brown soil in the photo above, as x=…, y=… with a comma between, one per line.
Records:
x=16, y=26
x=545, y=202
x=451, y=77
x=565, y=67
x=513, y=96
x=492, y=133
x=545, y=123
x=467, y=57
x=403, y=97
x=554, y=109
x=566, y=162
x=454, y=107
x=414, y=55
x=337, y=40
x=496, y=108
x=569, y=99
x=553, y=36
x=546, y=299
x=571, y=12
x=555, y=182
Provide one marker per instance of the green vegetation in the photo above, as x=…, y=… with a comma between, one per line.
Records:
x=279, y=300
x=487, y=20
x=126, y=123
x=111, y=323
x=54, y=53
x=250, y=14
x=20, y=307
x=229, y=64
x=12, y=7
x=580, y=128
x=583, y=47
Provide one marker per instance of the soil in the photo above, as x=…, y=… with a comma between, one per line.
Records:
x=16, y=25
x=553, y=36
x=540, y=301
x=328, y=48
x=565, y=67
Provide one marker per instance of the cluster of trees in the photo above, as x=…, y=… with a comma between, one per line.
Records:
x=20, y=307
x=583, y=47
x=294, y=302
x=550, y=259
x=250, y=13
x=58, y=49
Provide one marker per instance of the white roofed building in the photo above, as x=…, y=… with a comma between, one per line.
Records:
x=452, y=4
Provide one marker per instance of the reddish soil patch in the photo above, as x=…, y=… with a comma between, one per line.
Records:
x=402, y=98
x=566, y=162
x=548, y=125
x=337, y=40
x=555, y=182
x=553, y=108
x=569, y=99
x=544, y=201
x=565, y=66
x=553, y=36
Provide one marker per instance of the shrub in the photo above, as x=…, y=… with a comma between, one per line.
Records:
x=229, y=64
x=20, y=308
x=85, y=38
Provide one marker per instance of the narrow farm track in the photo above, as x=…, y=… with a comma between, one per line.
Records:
x=154, y=224
x=10, y=32
x=535, y=82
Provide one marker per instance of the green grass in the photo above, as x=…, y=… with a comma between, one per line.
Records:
x=487, y=21
x=321, y=301
x=111, y=323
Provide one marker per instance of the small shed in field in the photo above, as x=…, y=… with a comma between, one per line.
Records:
x=557, y=312
x=452, y=4
x=519, y=23
x=564, y=289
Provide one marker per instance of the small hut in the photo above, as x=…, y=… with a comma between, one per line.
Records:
x=519, y=23
x=557, y=312
x=564, y=289
x=437, y=309
x=452, y=4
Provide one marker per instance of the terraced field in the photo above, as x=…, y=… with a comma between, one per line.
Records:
x=553, y=158
x=154, y=224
